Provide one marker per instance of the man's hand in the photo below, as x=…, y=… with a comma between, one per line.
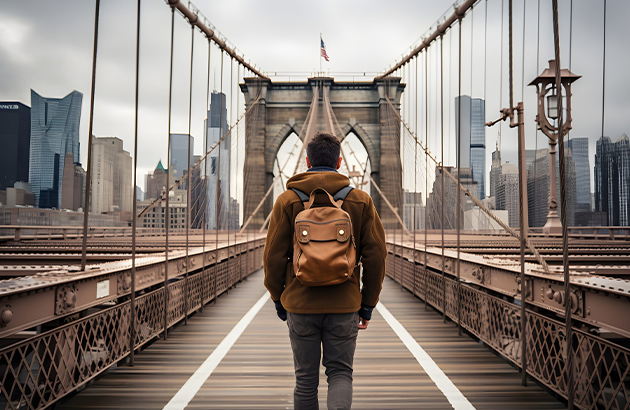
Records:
x=365, y=315
x=280, y=311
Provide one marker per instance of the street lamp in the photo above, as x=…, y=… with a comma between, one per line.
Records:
x=546, y=83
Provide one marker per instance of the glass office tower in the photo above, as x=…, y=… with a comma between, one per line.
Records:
x=54, y=133
x=473, y=138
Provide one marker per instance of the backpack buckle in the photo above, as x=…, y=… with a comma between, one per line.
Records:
x=304, y=233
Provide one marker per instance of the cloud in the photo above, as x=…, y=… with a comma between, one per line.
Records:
x=47, y=46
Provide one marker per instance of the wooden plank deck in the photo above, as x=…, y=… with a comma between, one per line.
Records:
x=257, y=373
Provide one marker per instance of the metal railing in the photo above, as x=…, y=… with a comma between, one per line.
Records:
x=601, y=367
x=42, y=369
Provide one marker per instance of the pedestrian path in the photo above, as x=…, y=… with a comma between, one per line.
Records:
x=257, y=370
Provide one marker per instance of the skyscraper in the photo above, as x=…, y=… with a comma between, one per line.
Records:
x=73, y=194
x=156, y=182
x=54, y=133
x=495, y=171
x=473, y=138
x=179, y=153
x=434, y=202
x=579, y=150
x=111, y=176
x=413, y=210
x=507, y=193
x=15, y=137
x=217, y=174
x=538, y=188
x=612, y=179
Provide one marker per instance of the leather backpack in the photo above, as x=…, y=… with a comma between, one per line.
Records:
x=324, y=251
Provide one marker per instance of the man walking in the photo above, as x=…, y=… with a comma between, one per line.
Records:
x=313, y=272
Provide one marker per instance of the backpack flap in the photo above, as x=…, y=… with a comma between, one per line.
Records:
x=323, y=253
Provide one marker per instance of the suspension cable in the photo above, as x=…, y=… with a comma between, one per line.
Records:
x=604, y=73
x=415, y=179
x=426, y=167
x=204, y=190
x=168, y=159
x=86, y=198
x=217, y=213
x=189, y=179
x=565, y=228
x=535, y=163
x=509, y=230
x=132, y=322
x=459, y=171
x=442, y=175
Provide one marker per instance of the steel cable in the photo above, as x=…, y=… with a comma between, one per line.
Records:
x=563, y=216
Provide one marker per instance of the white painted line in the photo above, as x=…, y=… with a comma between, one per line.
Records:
x=192, y=386
x=452, y=393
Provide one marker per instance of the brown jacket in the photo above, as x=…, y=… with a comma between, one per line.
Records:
x=369, y=237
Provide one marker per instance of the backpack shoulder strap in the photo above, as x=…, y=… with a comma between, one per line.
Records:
x=342, y=193
x=303, y=196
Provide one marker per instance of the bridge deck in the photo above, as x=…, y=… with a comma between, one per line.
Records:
x=257, y=373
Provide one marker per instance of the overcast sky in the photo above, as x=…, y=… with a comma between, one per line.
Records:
x=47, y=46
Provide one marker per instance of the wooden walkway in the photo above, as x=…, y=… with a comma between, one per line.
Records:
x=257, y=373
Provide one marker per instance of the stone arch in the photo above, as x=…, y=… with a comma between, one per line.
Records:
x=360, y=108
x=273, y=144
x=352, y=126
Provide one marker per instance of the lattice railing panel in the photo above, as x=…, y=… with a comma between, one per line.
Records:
x=434, y=290
x=39, y=371
x=149, y=316
x=602, y=373
x=194, y=292
x=601, y=368
x=176, y=308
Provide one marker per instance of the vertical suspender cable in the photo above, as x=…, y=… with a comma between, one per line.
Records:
x=501, y=76
x=442, y=173
x=229, y=198
x=238, y=211
x=523, y=61
x=189, y=176
x=534, y=199
x=218, y=190
x=229, y=178
x=570, y=46
x=522, y=212
x=510, y=63
x=485, y=55
x=404, y=172
x=132, y=319
x=86, y=204
x=563, y=210
x=415, y=179
x=204, y=190
x=459, y=173
x=168, y=178
x=426, y=168
x=604, y=73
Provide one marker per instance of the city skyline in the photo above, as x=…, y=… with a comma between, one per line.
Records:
x=54, y=73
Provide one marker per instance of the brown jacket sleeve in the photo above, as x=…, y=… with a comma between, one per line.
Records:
x=277, y=250
x=373, y=253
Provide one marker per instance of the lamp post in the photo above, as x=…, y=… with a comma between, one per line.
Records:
x=546, y=83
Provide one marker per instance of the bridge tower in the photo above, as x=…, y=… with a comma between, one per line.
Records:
x=360, y=107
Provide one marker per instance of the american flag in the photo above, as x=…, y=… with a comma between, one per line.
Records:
x=323, y=50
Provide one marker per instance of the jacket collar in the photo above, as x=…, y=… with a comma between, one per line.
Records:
x=321, y=169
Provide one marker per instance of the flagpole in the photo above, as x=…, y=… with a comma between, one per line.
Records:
x=320, y=54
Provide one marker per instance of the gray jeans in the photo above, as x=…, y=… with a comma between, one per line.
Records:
x=337, y=333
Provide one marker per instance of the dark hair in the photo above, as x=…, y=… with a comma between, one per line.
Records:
x=323, y=150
